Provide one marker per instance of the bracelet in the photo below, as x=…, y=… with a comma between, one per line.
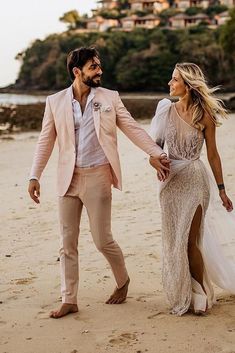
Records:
x=163, y=154
x=221, y=186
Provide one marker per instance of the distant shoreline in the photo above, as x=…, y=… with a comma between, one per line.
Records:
x=9, y=90
x=225, y=96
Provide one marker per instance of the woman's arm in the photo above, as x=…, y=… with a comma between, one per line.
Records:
x=214, y=161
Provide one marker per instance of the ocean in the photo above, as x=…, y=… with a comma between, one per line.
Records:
x=8, y=98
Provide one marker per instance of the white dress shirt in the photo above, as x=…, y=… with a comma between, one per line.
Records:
x=89, y=152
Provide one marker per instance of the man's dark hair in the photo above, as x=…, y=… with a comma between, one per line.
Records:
x=79, y=57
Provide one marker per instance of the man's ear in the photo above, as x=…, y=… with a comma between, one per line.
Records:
x=76, y=71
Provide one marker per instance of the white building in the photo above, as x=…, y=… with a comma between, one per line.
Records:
x=185, y=4
x=134, y=21
x=182, y=20
x=108, y=4
x=222, y=18
x=100, y=24
x=228, y=3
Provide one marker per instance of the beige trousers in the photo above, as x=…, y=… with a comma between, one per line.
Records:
x=90, y=187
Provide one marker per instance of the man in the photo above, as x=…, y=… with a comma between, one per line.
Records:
x=83, y=118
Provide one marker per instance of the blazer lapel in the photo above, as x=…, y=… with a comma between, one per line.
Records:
x=69, y=114
x=96, y=114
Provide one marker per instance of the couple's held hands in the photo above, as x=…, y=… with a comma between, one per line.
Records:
x=34, y=190
x=162, y=165
x=226, y=202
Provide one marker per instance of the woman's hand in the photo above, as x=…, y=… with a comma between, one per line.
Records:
x=162, y=165
x=227, y=203
x=164, y=171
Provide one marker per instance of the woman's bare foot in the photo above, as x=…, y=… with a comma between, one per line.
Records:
x=64, y=310
x=200, y=312
x=119, y=295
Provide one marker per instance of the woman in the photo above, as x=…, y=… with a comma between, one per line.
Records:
x=190, y=256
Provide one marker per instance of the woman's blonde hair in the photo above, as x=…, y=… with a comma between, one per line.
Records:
x=203, y=97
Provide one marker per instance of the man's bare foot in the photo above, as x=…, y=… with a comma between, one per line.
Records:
x=119, y=294
x=64, y=310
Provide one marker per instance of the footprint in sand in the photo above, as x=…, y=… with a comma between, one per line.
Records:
x=77, y=317
x=141, y=299
x=124, y=338
x=231, y=326
x=42, y=315
x=227, y=299
x=12, y=297
x=20, y=281
x=45, y=306
x=158, y=314
x=128, y=255
x=144, y=298
x=153, y=256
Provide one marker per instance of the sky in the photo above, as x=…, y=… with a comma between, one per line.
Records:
x=23, y=21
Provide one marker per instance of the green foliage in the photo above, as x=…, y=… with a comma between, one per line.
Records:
x=226, y=39
x=142, y=13
x=112, y=14
x=227, y=35
x=191, y=11
x=118, y=12
x=211, y=11
x=123, y=5
x=166, y=14
x=145, y=70
x=140, y=60
x=71, y=18
x=202, y=49
x=74, y=20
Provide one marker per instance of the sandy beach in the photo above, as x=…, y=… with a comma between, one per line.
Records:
x=30, y=279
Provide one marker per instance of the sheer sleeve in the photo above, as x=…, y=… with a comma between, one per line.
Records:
x=158, y=123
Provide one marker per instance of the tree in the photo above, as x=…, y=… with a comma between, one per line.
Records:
x=123, y=4
x=227, y=35
x=211, y=11
x=166, y=14
x=191, y=11
x=110, y=14
x=71, y=17
x=140, y=60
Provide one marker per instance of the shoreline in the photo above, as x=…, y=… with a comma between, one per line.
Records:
x=126, y=95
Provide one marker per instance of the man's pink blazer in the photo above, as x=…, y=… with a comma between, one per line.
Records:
x=58, y=123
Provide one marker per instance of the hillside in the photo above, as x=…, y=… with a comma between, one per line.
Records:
x=140, y=60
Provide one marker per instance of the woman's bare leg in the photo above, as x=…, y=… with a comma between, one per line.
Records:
x=194, y=254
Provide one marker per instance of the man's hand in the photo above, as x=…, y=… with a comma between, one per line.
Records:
x=162, y=165
x=34, y=190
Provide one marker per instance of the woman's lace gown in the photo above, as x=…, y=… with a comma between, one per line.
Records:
x=186, y=189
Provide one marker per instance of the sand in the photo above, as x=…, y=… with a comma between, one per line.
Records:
x=30, y=280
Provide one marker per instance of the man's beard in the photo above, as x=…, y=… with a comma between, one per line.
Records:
x=89, y=81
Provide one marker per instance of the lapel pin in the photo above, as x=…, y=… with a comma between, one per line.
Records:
x=96, y=106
